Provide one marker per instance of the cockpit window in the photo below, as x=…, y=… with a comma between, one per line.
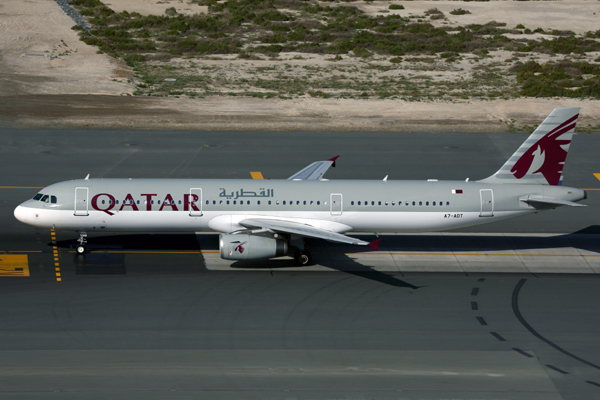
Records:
x=53, y=199
x=45, y=198
x=37, y=196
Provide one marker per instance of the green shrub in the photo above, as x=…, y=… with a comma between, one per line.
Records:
x=396, y=7
x=460, y=11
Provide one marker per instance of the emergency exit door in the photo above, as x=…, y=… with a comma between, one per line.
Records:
x=336, y=204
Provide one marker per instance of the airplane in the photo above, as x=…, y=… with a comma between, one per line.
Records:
x=262, y=219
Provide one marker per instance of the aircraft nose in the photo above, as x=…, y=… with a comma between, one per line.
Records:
x=21, y=214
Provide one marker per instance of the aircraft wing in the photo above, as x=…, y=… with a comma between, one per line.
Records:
x=296, y=228
x=314, y=171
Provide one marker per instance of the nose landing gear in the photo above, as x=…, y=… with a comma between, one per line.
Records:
x=82, y=240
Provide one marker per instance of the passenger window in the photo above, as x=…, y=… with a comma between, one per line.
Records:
x=393, y=203
x=157, y=202
x=207, y=202
x=304, y=202
x=386, y=203
x=269, y=202
x=447, y=203
x=311, y=202
x=426, y=203
x=37, y=196
x=351, y=203
x=227, y=202
x=53, y=199
x=277, y=202
x=258, y=202
x=220, y=201
x=433, y=203
x=413, y=203
x=284, y=202
x=297, y=202
x=420, y=203
x=138, y=202
x=359, y=203
x=372, y=203
x=214, y=202
x=318, y=203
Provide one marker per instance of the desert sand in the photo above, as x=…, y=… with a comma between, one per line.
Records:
x=70, y=85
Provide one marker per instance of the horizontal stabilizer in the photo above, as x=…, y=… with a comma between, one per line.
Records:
x=550, y=200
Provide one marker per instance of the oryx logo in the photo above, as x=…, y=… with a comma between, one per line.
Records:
x=547, y=155
x=239, y=247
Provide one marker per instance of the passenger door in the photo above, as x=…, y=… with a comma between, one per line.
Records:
x=487, y=203
x=81, y=201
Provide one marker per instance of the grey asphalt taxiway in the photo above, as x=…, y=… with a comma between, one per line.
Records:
x=160, y=316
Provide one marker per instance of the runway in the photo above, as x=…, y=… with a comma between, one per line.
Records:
x=472, y=314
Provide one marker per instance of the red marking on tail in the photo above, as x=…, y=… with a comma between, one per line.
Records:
x=548, y=147
x=375, y=244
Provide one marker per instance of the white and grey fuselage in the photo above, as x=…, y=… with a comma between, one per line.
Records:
x=186, y=205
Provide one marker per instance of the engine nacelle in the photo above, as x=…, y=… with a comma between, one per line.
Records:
x=251, y=247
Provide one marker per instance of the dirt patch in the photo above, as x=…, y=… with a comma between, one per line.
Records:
x=222, y=113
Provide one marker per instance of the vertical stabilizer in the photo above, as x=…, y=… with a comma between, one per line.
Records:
x=541, y=158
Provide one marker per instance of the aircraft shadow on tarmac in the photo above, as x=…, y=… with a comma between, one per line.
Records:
x=330, y=255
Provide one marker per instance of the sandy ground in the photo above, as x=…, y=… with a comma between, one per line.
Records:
x=80, y=88
x=577, y=16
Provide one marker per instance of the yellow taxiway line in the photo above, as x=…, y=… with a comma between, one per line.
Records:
x=256, y=175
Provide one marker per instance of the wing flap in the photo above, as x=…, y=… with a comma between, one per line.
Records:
x=297, y=228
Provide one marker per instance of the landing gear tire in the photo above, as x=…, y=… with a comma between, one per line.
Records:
x=303, y=258
x=82, y=240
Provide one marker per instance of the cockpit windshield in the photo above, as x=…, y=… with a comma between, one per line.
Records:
x=45, y=198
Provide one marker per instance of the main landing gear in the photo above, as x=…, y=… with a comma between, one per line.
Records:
x=302, y=257
x=82, y=242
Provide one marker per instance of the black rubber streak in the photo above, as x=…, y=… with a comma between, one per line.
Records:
x=522, y=352
x=481, y=321
x=500, y=338
x=474, y=306
x=557, y=369
x=515, y=306
x=474, y=291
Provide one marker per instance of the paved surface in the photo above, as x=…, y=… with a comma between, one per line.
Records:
x=151, y=316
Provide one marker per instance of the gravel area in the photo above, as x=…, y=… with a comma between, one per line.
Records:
x=71, y=12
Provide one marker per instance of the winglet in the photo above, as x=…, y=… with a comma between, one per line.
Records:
x=375, y=244
x=333, y=159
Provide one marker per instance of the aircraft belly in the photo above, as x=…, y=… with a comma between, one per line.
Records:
x=407, y=222
x=156, y=221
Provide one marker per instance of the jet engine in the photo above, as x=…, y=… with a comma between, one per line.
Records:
x=251, y=247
